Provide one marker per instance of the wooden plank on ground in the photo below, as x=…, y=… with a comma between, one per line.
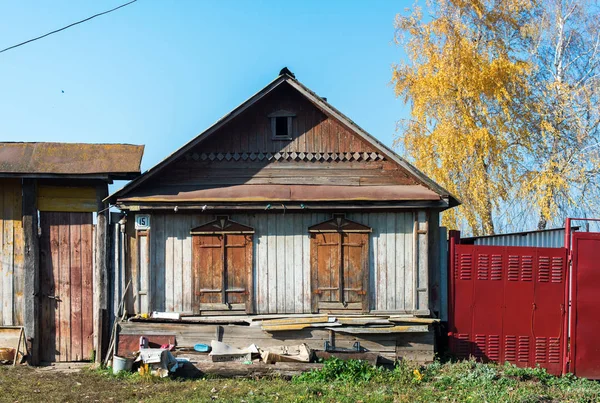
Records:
x=381, y=330
x=413, y=320
x=298, y=320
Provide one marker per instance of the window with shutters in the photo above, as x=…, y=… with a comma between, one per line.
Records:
x=339, y=251
x=222, y=266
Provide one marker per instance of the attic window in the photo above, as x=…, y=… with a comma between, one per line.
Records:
x=281, y=125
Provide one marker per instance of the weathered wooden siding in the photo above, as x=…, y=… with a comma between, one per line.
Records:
x=312, y=130
x=321, y=151
x=66, y=286
x=282, y=261
x=12, y=280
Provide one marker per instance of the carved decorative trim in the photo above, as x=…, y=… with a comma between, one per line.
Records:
x=286, y=156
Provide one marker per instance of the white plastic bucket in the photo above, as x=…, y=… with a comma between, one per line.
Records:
x=121, y=364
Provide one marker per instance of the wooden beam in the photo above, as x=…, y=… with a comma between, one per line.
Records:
x=381, y=330
x=101, y=273
x=67, y=198
x=31, y=268
x=199, y=368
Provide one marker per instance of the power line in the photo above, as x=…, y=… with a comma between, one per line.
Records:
x=68, y=26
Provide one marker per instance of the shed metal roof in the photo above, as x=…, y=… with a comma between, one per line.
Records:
x=281, y=193
x=121, y=161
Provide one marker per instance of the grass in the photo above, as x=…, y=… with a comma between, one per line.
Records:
x=338, y=381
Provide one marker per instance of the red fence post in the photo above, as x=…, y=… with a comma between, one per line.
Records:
x=453, y=240
x=567, y=303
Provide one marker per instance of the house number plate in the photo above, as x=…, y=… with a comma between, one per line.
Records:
x=142, y=221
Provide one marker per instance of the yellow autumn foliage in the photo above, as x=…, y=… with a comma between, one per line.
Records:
x=504, y=98
x=460, y=86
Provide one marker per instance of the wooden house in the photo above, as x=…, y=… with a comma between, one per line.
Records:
x=53, y=243
x=284, y=208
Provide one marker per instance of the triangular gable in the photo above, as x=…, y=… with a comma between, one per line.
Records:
x=339, y=223
x=321, y=105
x=222, y=225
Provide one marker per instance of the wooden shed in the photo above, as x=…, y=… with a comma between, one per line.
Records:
x=285, y=209
x=53, y=223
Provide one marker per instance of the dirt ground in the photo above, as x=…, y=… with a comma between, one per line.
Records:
x=338, y=381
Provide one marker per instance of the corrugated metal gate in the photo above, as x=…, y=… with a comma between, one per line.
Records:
x=507, y=304
x=584, y=353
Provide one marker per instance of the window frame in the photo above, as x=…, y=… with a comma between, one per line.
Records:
x=290, y=126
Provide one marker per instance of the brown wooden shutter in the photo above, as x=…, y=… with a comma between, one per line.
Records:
x=339, y=266
x=222, y=261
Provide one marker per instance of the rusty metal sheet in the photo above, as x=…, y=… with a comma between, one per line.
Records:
x=70, y=158
x=282, y=193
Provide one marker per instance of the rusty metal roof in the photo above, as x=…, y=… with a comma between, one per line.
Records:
x=74, y=159
x=281, y=193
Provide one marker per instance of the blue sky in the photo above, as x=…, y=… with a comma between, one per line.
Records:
x=160, y=72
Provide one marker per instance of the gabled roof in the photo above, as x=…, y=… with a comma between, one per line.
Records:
x=120, y=161
x=320, y=103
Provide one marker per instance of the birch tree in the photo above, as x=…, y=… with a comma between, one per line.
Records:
x=463, y=73
x=561, y=172
x=504, y=107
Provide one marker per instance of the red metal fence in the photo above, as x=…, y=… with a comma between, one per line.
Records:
x=507, y=304
x=584, y=352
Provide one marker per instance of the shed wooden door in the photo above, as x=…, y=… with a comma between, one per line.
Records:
x=66, y=297
x=339, y=266
x=222, y=267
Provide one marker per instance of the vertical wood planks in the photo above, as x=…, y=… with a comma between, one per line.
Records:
x=399, y=252
x=272, y=303
x=408, y=261
x=66, y=326
x=281, y=284
x=180, y=232
x=76, y=285
x=12, y=280
x=281, y=259
x=131, y=269
x=64, y=289
x=382, y=264
x=261, y=273
x=47, y=287
x=307, y=221
x=392, y=267
x=298, y=259
x=170, y=223
x=290, y=297
x=186, y=253
x=144, y=281
x=157, y=264
x=422, y=283
x=18, y=258
x=87, y=262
